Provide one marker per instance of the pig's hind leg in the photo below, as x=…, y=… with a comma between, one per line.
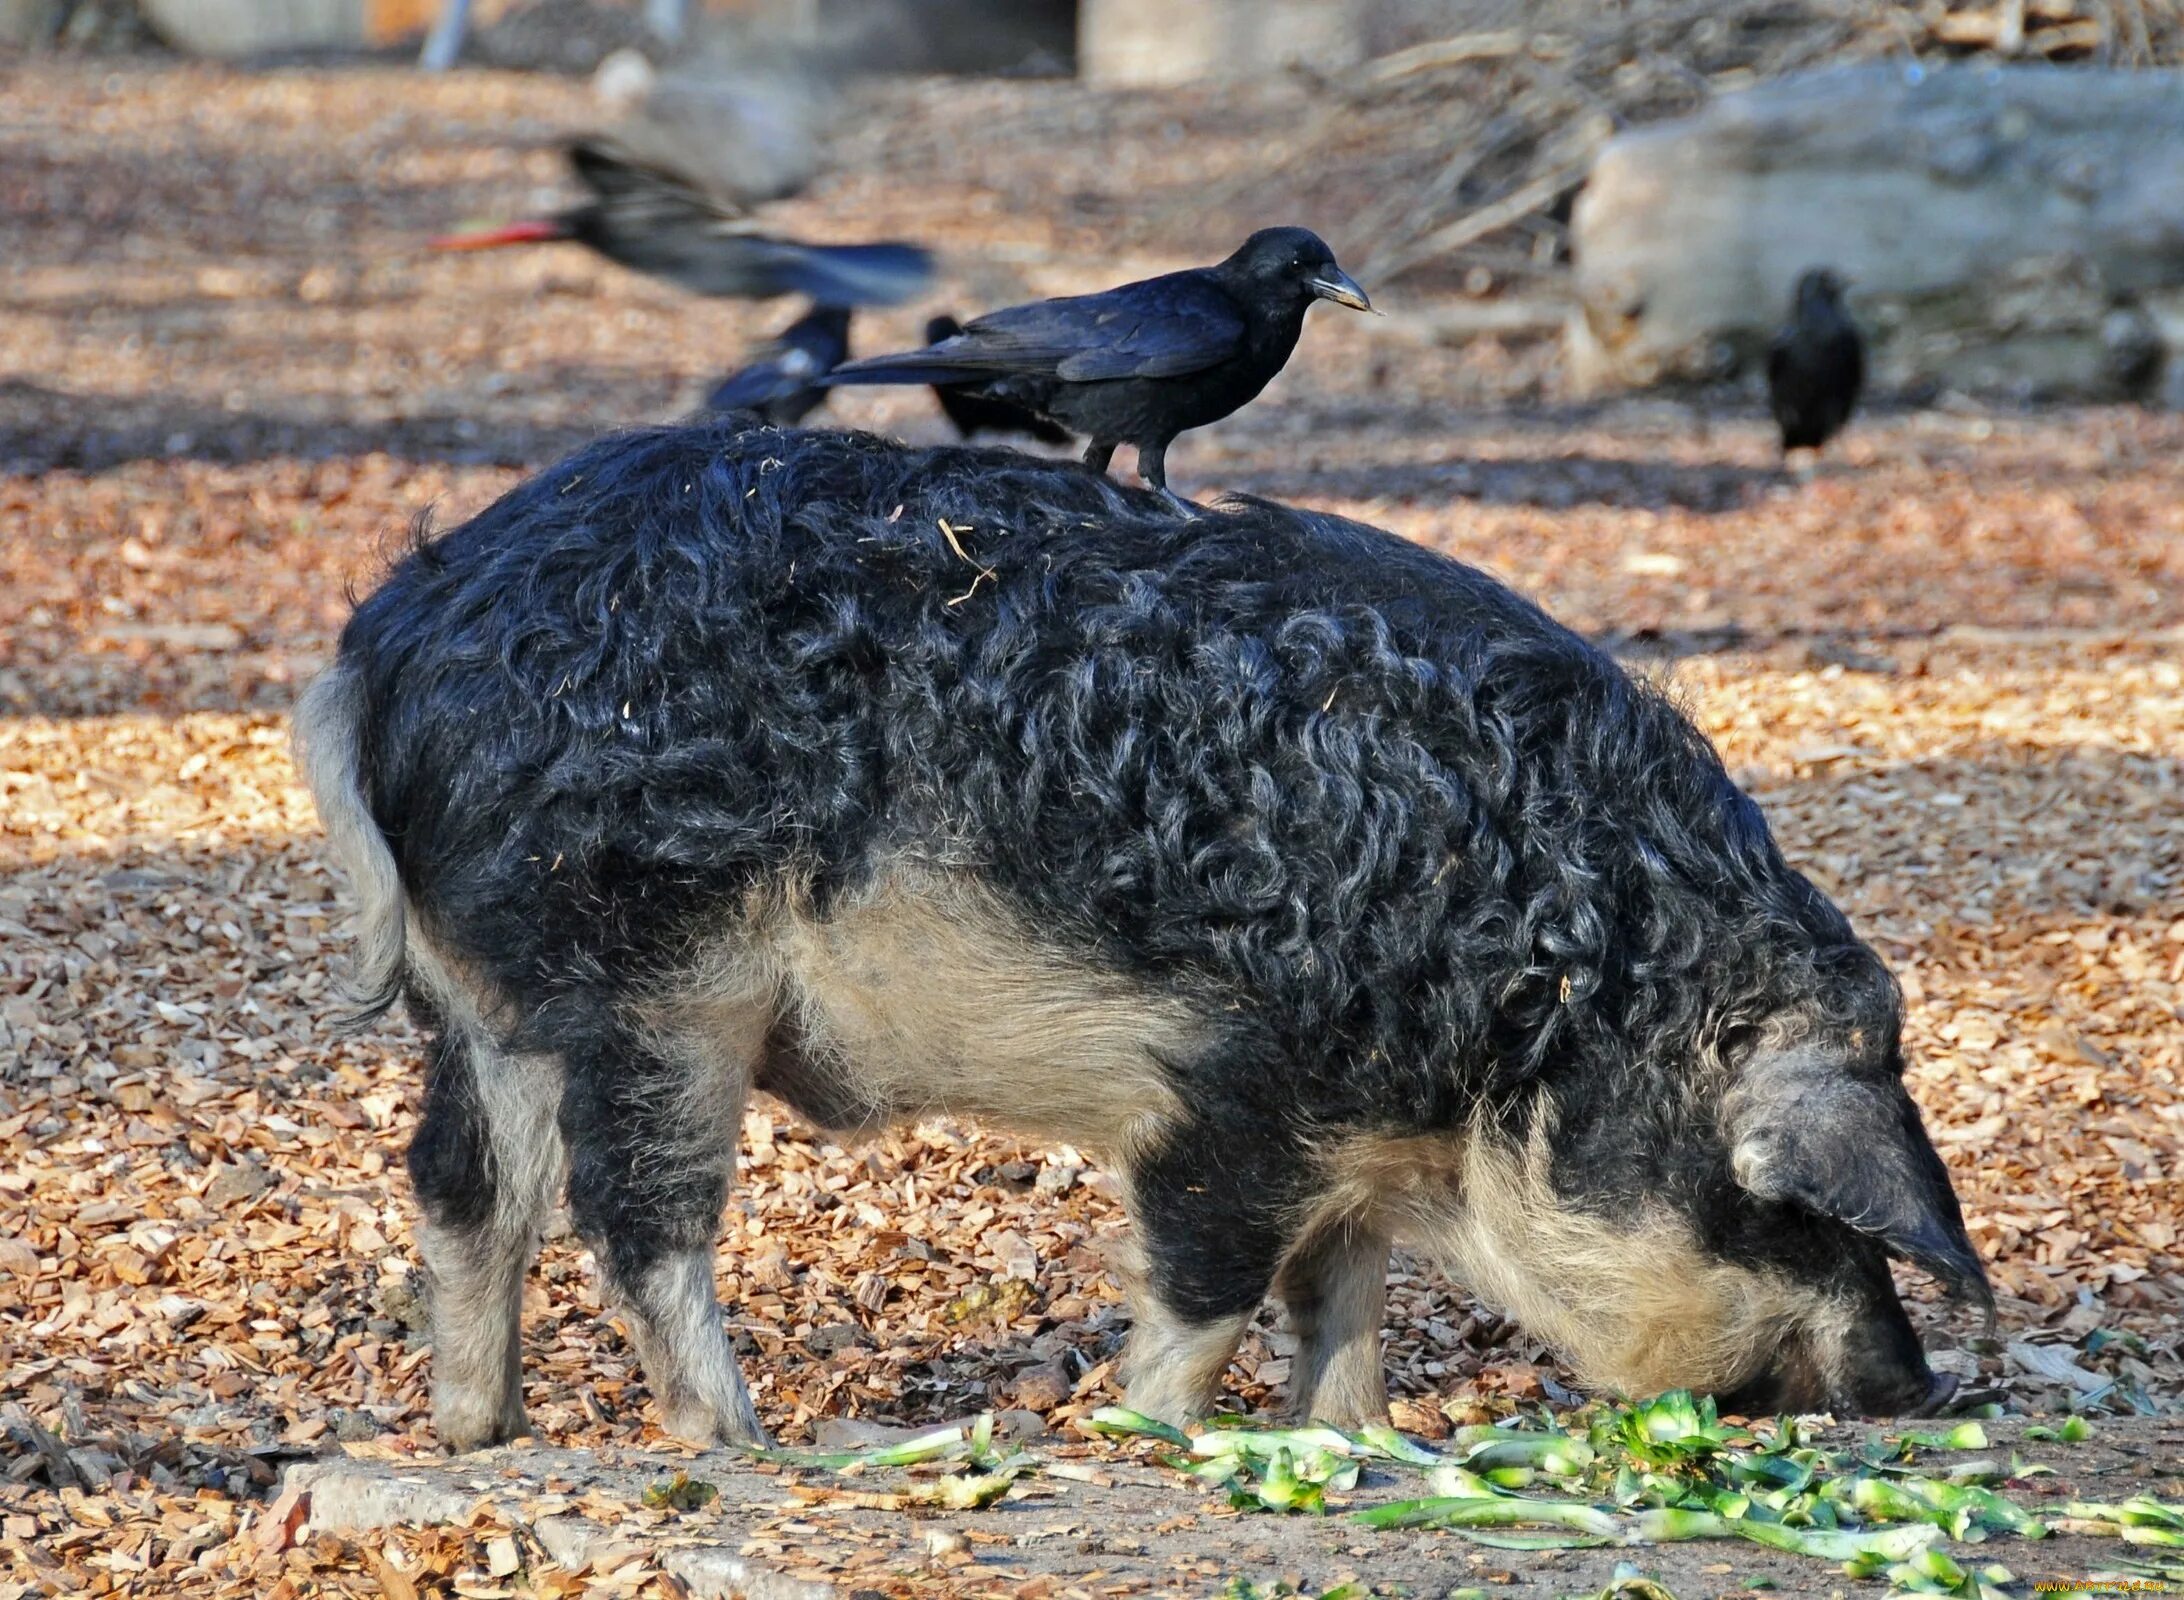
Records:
x=1335, y=1286
x=485, y=1161
x=652, y=1117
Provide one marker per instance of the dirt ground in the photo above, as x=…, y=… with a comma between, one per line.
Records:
x=1119, y=1526
x=1950, y=665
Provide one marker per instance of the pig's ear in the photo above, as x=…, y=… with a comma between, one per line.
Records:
x=1805, y=1129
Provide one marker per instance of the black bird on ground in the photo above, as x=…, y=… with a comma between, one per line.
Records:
x=973, y=414
x=657, y=222
x=780, y=382
x=1144, y=362
x=1816, y=365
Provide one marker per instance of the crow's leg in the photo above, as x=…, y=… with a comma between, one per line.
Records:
x=1152, y=465
x=1098, y=454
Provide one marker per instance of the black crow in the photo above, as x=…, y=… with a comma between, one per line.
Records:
x=1142, y=363
x=1816, y=364
x=656, y=222
x=778, y=384
x=972, y=414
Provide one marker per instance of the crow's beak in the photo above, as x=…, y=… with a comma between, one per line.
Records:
x=511, y=233
x=1336, y=285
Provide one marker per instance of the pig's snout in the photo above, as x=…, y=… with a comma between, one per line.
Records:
x=1913, y=1394
x=1874, y=1369
x=1938, y=1395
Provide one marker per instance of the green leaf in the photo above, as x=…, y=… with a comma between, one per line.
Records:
x=1444, y=1511
x=1454, y=1482
x=2140, y=1511
x=1533, y=1541
x=1266, y=1442
x=965, y=1491
x=1674, y=1524
x=1968, y=1435
x=1122, y=1422
x=1553, y=1453
x=1381, y=1440
x=680, y=1493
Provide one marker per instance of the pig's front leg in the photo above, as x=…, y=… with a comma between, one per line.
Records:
x=1212, y=1210
x=1335, y=1286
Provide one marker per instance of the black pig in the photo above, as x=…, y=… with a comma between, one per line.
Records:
x=1330, y=891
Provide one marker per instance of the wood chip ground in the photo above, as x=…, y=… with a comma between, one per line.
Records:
x=1948, y=665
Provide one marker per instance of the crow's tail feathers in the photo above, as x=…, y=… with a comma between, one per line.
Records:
x=751, y=388
x=889, y=369
x=851, y=274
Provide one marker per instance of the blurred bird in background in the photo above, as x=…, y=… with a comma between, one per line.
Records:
x=673, y=185
x=780, y=382
x=1816, y=364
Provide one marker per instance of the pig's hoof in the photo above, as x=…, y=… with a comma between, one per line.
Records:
x=701, y=1427
x=1348, y=1418
x=1166, y=1404
x=463, y=1428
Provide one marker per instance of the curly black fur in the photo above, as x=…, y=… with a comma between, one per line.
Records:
x=1277, y=753
x=1428, y=854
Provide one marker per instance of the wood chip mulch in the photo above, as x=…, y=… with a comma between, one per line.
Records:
x=1949, y=666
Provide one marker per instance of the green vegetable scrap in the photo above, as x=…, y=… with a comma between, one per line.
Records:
x=1121, y=1422
x=968, y=1491
x=1670, y=1430
x=2074, y=1430
x=1668, y=1524
x=983, y=1474
x=1631, y=1584
x=1670, y=1469
x=1231, y=1440
x=1444, y=1511
x=1933, y=1572
x=1659, y=1471
x=1281, y=1487
x=2139, y=1520
x=680, y=1493
x=1557, y=1455
x=1964, y=1436
x=951, y=1443
x=1380, y=1440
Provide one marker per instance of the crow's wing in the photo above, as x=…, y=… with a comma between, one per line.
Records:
x=655, y=221
x=643, y=195
x=1160, y=328
x=1853, y=358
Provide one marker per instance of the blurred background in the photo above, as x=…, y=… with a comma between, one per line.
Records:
x=286, y=154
